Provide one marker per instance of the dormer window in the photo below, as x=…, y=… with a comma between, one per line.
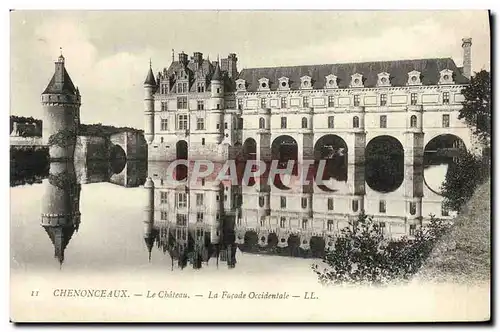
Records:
x=414, y=78
x=331, y=82
x=305, y=82
x=283, y=83
x=446, y=77
x=263, y=84
x=241, y=85
x=384, y=79
x=356, y=81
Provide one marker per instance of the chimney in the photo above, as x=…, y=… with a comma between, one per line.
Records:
x=183, y=58
x=232, y=69
x=467, y=66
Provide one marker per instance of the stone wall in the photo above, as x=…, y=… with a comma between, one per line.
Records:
x=91, y=148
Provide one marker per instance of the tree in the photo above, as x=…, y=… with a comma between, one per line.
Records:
x=362, y=253
x=476, y=108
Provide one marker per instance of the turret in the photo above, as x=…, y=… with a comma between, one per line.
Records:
x=149, y=106
x=149, y=229
x=467, y=66
x=217, y=100
x=61, y=113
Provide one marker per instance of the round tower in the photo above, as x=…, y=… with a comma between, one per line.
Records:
x=61, y=114
x=149, y=106
x=149, y=230
x=217, y=100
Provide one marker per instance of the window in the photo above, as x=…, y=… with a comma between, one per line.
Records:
x=355, y=206
x=217, y=126
x=304, y=202
x=164, y=124
x=163, y=106
x=413, y=99
x=444, y=211
x=304, y=122
x=200, y=124
x=262, y=221
x=381, y=207
x=331, y=121
x=182, y=103
x=331, y=101
x=161, y=139
x=163, y=215
x=330, y=204
x=446, y=120
x=202, y=182
x=383, y=99
x=356, y=100
x=240, y=123
x=282, y=222
x=283, y=202
x=305, y=101
x=218, y=106
x=262, y=123
x=218, y=90
x=181, y=200
x=182, y=122
x=383, y=121
x=182, y=88
x=199, y=217
x=446, y=97
x=413, y=208
x=225, y=125
x=412, y=230
x=381, y=225
x=304, y=223
x=181, y=220
x=263, y=103
x=163, y=197
x=261, y=201
x=163, y=88
x=413, y=121
x=355, y=122
x=283, y=102
x=203, y=141
x=283, y=122
x=201, y=105
x=199, y=199
x=329, y=225
x=201, y=87
x=240, y=104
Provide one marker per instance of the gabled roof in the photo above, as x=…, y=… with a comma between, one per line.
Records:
x=66, y=87
x=398, y=70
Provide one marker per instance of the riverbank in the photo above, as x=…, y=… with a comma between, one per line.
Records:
x=464, y=254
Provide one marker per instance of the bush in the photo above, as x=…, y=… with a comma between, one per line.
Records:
x=362, y=253
x=463, y=177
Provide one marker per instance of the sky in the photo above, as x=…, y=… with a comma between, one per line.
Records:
x=107, y=52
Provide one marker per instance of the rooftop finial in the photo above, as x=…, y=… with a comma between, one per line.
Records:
x=150, y=63
x=173, y=55
x=61, y=57
x=60, y=50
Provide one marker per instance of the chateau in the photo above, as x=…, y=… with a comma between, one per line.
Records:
x=216, y=112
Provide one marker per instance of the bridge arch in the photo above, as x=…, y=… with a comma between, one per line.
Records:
x=384, y=163
x=250, y=149
x=334, y=150
x=285, y=148
x=117, y=159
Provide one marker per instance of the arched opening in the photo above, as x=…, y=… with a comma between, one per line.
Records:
x=304, y=123
x=250, y=153
x=332, y=149
x=117, y=159
x=355, y=122
x=181, y=153
x=262, y=123
x=384, y=164
x=284, y=148
x=439, y=154
x=413, y=121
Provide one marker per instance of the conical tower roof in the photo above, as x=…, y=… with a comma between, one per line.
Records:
x=150, y=79
x=61, y=82
x=217, y=75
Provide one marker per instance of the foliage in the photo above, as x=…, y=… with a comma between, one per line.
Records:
x=63, y=138
x=100, y=130
x=362, y=253
x=476, y=108
x=26, y=131
x=464, y=175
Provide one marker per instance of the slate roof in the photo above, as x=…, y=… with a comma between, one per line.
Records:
x=150, y=79
x=66, y=87
x=398, y=70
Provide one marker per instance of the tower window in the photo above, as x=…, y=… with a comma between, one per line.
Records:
x=381, y=207
x=413, y=121
x=304, y=122
x=163, y=106
x=355, y=122
x=446, y=120
x=356, y=100
x=283, y=102
x=163, y=88
x=413, y=208
x=446, y=97
x=200, y=124
x=355, y=206
x=329, y=225
x=330, y=204
x=261, y=201
x=218, y=90
x=164, y=124
x=203, y=141
x=383, y=121
x=331, y=121
x=240, y=104
x=304, y=202
x=240, y=123
x=262, y=223
x=263, y=103
x=413, y=99
x=161, y=139
x=201, y=87
x=225, y=125
x=282, y=222
x=201, y=105
x=305, y=101
x=218, y=106
x=304, y=223
x=182, y=103
x=331, y=101
x=383, y=99
x=262, y=123
x=283, y=122
x=283, y=202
